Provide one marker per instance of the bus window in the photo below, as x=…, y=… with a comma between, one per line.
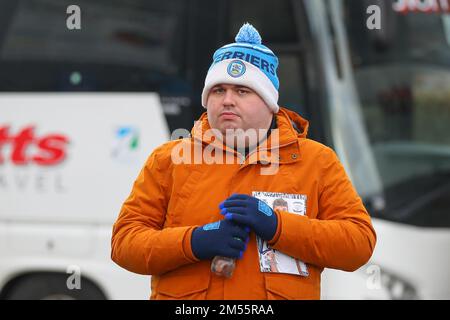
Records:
x=130, y=46
x=403, y=84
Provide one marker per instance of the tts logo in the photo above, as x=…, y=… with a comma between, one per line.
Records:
x=125, y=144
x=26, y=147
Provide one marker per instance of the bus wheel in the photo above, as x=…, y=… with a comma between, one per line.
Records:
x=50, y=287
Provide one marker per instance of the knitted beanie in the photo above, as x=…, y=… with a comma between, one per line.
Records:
x=248, y=63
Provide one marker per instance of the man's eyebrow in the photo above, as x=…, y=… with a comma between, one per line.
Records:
x=243, y=87
x=237, y=87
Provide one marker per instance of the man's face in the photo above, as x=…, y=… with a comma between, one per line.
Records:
x=237, y=107
x=280, y=207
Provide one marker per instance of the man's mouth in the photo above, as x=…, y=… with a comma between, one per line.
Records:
x=228, y=115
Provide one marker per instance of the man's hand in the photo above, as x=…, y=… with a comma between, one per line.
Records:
x=221, y=238
x=251, y=212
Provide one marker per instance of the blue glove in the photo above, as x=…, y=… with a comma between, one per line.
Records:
x=221, y=238
x=251, y=212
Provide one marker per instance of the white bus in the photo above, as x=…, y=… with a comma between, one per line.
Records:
x=80, y=110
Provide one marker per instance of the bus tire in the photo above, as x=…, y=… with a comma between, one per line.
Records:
x=51, y=287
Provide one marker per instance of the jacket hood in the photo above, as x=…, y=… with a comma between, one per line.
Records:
x=299, y=124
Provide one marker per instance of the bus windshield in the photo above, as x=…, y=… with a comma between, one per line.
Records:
x=120, y=47
x=402, y=76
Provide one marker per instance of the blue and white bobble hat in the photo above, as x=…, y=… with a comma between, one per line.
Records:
x=248, y=63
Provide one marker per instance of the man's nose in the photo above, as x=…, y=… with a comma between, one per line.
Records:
x=228, y=98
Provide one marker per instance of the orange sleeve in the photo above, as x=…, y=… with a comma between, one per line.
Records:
x=342, y=236
x=278, y=231
x=139, y=242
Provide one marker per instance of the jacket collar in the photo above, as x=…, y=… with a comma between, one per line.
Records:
x=291, y=129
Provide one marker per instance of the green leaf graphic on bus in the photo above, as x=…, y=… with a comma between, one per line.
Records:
x=126, y=143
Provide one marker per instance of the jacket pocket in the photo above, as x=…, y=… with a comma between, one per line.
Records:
x=186, y=283
x=276, y=295
x=182, y=197
x=293, y=287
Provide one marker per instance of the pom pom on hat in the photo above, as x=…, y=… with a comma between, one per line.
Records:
x=248, y=34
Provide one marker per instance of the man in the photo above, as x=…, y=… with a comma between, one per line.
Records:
x=182, y=214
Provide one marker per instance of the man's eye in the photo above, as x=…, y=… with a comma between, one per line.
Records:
x=218, y=90
x=241, y=91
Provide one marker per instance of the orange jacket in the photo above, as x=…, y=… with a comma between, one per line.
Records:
x=153, y=231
